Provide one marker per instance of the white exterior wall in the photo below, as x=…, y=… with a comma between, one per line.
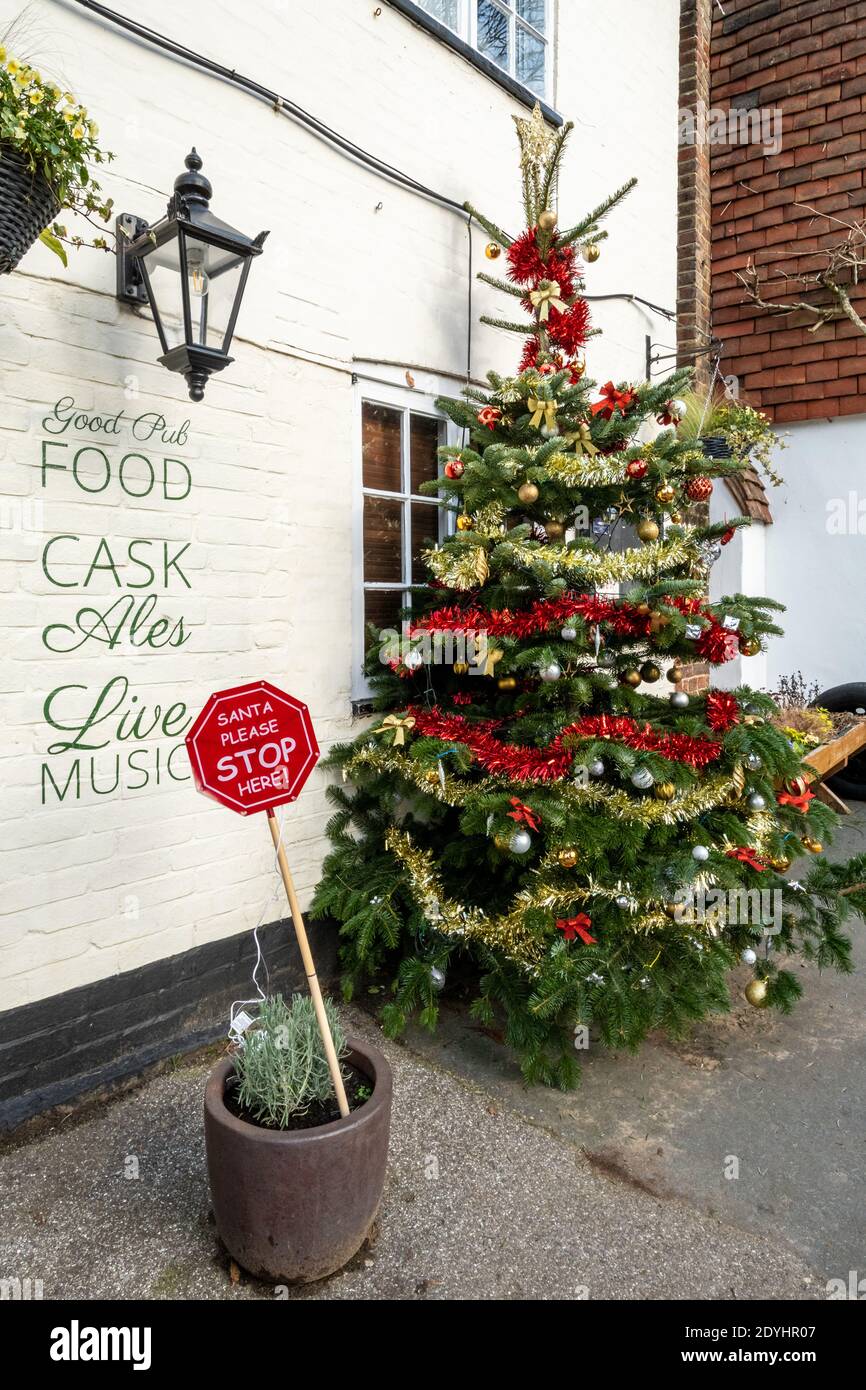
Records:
x=741, y=569
x=816, y=553
x=104, y=882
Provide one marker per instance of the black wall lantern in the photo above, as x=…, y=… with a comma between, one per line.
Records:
x=192, y=270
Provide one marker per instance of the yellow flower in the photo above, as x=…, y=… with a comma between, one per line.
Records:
x=2, y=54
x=68, y=116
x=78, y=131
x=36, y=98
x=13, y=66
x=93, y=128
x=68, y=96
x=22, y=76
x=53, y=91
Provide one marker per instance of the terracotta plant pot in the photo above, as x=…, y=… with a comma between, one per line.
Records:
x=292, y=1206
x=27, y=206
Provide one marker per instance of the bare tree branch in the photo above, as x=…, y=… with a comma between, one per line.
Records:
x=844, y=265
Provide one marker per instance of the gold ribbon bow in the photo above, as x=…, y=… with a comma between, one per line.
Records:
x=582, y=440
x=546, y=295
x=542, y=411
x=397, y=726
x=489, y=656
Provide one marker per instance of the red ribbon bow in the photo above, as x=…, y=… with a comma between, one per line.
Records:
x=748, y=856
x=524, y=814
x=800, y=801
x=612, y=400
x=576, y=926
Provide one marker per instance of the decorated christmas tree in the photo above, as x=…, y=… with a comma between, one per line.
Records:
x=542, y=813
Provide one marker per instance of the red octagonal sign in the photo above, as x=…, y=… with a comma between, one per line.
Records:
x=252, y=748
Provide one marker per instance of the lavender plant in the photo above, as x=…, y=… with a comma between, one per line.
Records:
x=282, y=1069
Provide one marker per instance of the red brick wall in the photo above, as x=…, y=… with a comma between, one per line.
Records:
x=809, y=59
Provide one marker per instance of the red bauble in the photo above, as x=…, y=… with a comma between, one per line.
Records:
x=637, y=468
x=699, y=489
x=454, y=468
x=727, y=536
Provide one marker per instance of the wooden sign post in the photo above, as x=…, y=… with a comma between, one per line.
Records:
x=252, y=748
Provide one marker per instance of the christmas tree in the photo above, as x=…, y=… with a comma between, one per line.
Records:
x=543, y=811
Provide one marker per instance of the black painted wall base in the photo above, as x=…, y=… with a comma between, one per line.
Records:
x=57, y=1050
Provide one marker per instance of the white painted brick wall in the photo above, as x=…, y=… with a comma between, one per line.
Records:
x=115, y=881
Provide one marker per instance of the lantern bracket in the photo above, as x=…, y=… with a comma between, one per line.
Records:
x=130, y=281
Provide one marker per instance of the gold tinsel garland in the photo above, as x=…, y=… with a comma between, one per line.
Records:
x=459, y=567
x=508, y=932
x=578, y=470
x=712, y=791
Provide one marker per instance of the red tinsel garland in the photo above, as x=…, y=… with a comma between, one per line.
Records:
x=623, y=619
x=722, y=710
x=550, y=764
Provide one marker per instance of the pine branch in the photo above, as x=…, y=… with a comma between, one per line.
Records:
x=490, y=227
x=591, y=221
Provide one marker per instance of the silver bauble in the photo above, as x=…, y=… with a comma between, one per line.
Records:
x=753, y=762
x=679, y=699
x=520, y=842
x=551, y=672
x=642, y=778
x=701, y=853
x=678, y=408
x=568, y=634
x=756, y=802
x=748, y=956
x=596, y=768
x=622, y=902
x=437, y=978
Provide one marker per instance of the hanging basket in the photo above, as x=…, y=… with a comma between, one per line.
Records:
x=27, y=206
x=715, y=446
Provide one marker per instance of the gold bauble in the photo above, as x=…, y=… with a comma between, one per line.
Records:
x=675, y=674
x=665, y=791
x=647, y=530
x=591, y=252
x=492, y=251
x=780, y=863
x=460, y=668
x=547, y=220
x=507, y=683
x=813, y=846
x=671, y=909
x=555, y=530
x=631, y=678
x=528, y=493
x=465, y=523
x=643, y=609
x=750, y=646
x=567, y=858
x=665, y=494
x=502, y=842
x=650, y=673
x=431, y=775
x=676, y=518
x=756, y=993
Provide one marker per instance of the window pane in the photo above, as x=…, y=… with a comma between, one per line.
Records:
x=493, y=33
x=425, y=532
x=382, y=608
x=380, y=447
x=533, y=12
x=530, y=60
x=446, y=11
x=383, y=540
x=423, y=443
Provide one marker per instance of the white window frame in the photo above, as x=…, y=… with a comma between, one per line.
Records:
x=467, y=20
x=408, y=402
